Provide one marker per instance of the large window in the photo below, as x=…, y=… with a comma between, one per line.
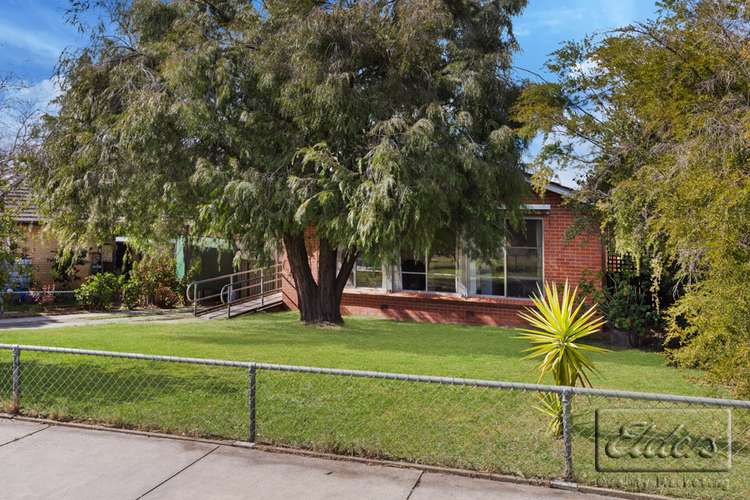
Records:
x=520, y=270
x=430, y=274
x=366, y=273
x=524, y=259
x=491, y=277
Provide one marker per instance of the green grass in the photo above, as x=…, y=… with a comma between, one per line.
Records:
x=473, y=428
x=364, y=344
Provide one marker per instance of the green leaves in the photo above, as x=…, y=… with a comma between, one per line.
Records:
x=655, y=116
x=559, y=327
x=373, y=122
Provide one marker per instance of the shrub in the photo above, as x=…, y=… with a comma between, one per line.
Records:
x=709, y=329
x=65, y=264
x=166, y=298
x=153, y=281
x=131, y=294
x=44, y=297
x=558, y=329
x=99, y=291
x=632, y=302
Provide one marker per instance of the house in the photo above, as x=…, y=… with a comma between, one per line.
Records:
x=451, y=288
x=40, y=250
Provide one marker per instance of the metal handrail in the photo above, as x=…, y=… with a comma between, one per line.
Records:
x=194, y=284
x=253, y=276
x=231, y=288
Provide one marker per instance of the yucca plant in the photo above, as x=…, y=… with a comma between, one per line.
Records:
x=558, y=327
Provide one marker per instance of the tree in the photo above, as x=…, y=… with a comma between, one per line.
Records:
x=656, y=114
x=17, y=117
x=379, y=123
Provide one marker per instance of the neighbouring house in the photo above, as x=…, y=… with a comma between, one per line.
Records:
x=39, y=250
x=451, y=288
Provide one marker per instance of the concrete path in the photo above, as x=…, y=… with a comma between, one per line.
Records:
x=42, y=461
x=82, y=319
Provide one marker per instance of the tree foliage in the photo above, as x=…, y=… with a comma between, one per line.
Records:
x=17, y=117
x=656, y=114
x=379, y=123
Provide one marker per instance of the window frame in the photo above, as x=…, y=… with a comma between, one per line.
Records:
x=351, y=283
x=426, y=274
x=505, y=265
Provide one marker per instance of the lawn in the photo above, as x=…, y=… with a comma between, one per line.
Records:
x=362, y=344
x=474, y=428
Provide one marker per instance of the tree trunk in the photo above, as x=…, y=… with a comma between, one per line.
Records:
x=319, y=302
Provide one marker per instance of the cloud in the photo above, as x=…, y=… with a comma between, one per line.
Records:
x=24, y=102
x=32, y=41
x=586, y=68
x=40, y=95
x=546, y=19
x=585, y=17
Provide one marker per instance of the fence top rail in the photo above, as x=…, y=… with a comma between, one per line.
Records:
x=648, y=396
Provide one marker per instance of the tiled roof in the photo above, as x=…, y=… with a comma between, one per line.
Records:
x=19, y=201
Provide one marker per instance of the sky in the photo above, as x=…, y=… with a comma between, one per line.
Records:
x=33, y=33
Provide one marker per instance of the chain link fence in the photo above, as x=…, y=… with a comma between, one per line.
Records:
x=479, y=425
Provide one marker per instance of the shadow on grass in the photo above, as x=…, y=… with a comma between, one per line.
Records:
x=194, y=400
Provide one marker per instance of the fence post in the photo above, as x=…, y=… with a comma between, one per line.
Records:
x=567, y=444
x=261, y=287
x=16, y=376
x=251, y=404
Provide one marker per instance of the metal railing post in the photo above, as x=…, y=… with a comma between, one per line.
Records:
x=16, y=377
x=251, y=404
x=567, y=397
x=230, y=292
x=261, y=287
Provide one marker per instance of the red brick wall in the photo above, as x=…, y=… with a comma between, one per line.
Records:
x=572, y=260
x=569, y=259
x=434, y=308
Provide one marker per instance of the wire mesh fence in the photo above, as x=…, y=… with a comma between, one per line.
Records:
x=485, y=426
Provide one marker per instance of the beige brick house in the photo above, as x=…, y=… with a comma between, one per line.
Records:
x=39, y=249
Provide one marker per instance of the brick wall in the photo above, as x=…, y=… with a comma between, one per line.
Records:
x=569, y=259
x=574, y=260
x=42, y=249
x=434, y=308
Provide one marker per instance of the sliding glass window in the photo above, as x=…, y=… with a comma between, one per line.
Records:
x=433, y=274
x=520, y=270
x=524, y=260
x=366, y=273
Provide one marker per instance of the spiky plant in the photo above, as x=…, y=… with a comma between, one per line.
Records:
x=558, y=328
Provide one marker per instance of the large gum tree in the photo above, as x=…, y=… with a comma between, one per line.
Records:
x=380, y=124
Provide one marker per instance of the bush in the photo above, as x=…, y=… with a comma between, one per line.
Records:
x=709, y=328
x=99, y=291
x=153, y=282
x=558, y=327
x=131, y=294
x=166, y=298
x=44, y=297
x=65, y=264
x=632, y=303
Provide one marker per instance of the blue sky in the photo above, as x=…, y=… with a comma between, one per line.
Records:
x=34, y=32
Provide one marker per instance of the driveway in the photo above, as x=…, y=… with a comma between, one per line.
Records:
x=43, y=461
x=82, y=319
